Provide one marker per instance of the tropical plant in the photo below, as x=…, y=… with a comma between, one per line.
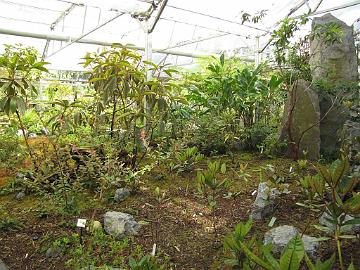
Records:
x=186, y=159
x=145, y=263
x=331, y=192
x=21, y=69
x=10, y=148
x=210, y=185
x=248, y=253
x=134, y=105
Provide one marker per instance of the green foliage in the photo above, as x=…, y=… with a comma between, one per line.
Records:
x=122, y=90
x=59, y=91
x=331, y=191
x=234, y=103
x=67, y=117
x=9, y=224
x=282, y=35
x=31, y=121
x=10, y=148
x=186, y=160
x=208, y=180
x=21, y=67
x=145, y=263
x=247, y=253
x=159, y=194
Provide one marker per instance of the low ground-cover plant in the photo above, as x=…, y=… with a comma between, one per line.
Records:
x=186, y=159
x=10, y=224
x=211, y=185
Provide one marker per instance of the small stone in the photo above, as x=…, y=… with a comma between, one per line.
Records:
x=19, y=176
x=280, y=236
x=120, y=224
x=44, y=131
x=3, y=265
x=121, y=194
x=20, y=195
x=264, y=202
x=53, y=252
x=32, y=135
x=20, y=133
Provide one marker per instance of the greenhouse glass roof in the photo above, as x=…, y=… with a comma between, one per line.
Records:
x=64, y=30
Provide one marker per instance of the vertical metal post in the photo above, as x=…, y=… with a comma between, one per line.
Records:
x=148, y=57
x=257, y=63
x=257, y=51
x=148, y=49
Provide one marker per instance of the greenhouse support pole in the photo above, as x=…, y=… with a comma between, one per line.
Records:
x=148, y=57
x=257, y=63
x=257, y=51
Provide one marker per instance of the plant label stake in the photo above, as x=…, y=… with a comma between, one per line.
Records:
x=153, y=250
x=81, y=223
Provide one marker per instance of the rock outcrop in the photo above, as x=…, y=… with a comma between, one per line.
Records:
x=303, y=111
x=337, y=61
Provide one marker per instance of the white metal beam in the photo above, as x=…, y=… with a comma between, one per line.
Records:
x=92, y=41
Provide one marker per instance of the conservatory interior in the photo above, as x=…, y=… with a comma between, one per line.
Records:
x=178, y=134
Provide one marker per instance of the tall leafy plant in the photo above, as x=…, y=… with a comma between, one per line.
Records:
x=20, y=70
x=123, y=92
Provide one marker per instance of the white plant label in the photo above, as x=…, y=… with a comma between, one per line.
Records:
x=81, y=223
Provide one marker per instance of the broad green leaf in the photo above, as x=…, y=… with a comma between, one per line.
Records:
x=323, y=228
x=223, y=168
x=96, y=80
x=325, y=174
x=222, y=59
x=251, y=256
x=354, y=221
x=340, y=171
x=292, y=254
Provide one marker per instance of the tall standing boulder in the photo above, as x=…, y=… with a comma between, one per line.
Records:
x=333, y=63
x=337, y=61
x=301, y=118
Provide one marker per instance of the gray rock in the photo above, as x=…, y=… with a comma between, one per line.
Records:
x=333, y=119
x=20, y=133
x=280, y=236
x=3, y=265
x=349, y=229
x=333, y=62
x=303, y=106
x=20, y=175
x=120, y=224
x=264, y=202
x=20, y=195
x=121, y=194
x=53, y=252
x=350, y=140
x=44, y=131
x=32, y=135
